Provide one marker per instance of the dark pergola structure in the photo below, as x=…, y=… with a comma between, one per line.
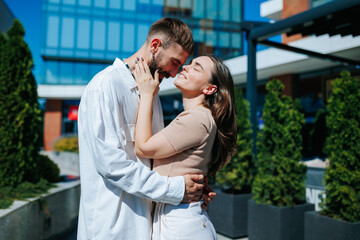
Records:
x=337, y=17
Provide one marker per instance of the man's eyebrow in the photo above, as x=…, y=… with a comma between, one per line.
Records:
x=177, y=60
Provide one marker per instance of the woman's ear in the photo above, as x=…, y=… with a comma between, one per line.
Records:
x=211, y=89
x=155, y=44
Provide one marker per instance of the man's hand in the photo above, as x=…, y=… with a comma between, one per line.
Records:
x=193, y=187
x=208, y=194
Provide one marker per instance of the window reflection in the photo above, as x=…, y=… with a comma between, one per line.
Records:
x=83, y=34
x=128, y=37
x=98, y=36
x=67, y=32
x=53, y=31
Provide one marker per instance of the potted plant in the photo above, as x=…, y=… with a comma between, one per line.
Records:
x=340, y=217
x=228, y=211
x=278, y=205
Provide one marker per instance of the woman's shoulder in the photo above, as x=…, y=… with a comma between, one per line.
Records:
x=199, y=116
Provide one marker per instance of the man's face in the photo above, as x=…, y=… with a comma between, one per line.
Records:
x=168, y=61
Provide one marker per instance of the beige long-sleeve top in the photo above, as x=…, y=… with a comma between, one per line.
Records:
x=192, y=135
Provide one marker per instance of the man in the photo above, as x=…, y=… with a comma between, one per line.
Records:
x=117, y=187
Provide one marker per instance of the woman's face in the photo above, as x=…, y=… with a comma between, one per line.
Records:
x=194, y=78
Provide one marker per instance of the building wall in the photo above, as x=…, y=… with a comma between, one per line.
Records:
x=291, y=8
x=6, y=17
x=52, y=123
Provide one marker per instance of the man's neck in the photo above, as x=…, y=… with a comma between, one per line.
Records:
x=141, y=53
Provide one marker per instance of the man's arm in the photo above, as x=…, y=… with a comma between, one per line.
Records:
x=113, y=163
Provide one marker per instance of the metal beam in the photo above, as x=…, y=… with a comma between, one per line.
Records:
x=311, y=53
x=251, y=89
x=285, y=26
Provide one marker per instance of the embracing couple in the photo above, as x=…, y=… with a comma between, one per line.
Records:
x=124, y=195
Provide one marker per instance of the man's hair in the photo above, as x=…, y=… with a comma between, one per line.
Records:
x=174, y=31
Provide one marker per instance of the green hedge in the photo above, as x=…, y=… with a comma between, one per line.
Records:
x=20, y=114
x=342, y=178
x=280, y=178
x=237, y=176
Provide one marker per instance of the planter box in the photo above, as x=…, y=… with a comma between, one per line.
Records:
x=325, y=228
x=270, y=222
x=50, y=217
x=68, y=162
x=228, y=213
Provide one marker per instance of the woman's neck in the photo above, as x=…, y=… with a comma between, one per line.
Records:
x=190, y=102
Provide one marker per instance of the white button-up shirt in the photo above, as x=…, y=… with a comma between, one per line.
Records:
x=116, y=186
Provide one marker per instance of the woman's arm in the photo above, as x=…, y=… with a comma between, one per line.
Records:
x=147, y=145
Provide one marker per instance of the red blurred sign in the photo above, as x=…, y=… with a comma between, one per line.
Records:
x=73, y=113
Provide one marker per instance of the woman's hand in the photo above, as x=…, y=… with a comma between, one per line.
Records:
x=147, y=85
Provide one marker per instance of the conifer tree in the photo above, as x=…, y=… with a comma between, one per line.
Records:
x=20, y=115
x=342, y=177
x=237, y=176
x=280, y=178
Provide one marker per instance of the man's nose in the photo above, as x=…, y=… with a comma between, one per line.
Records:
x=173, y=72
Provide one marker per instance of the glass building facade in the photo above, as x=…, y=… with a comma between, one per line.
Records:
x=82, y=37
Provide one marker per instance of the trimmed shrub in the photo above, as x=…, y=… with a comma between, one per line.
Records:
x=237, y=176
x=20, y=114
x=280, y=178
x=48, y=169
x=342, y=177
x=67, y=144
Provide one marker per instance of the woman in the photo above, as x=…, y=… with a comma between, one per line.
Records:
x=200, y=140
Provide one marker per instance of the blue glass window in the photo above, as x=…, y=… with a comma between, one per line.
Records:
x=100, y=3
x=54, y=1
x=70, y=2
x=224, y=39
x=67, y=32
x=52, y=39
x=141, y=35
x=210, y=38
x=113, y=36
x=128, y=37
x=198, y=9
x=81, y=73
x=235, y=11
x=198, y=35
x=185, y=4
x=211, y=9
x=158, y=2
x=236, y=40
x=95, y=68
x=83, y=34
x=66, y=72
x=224, y=10
x=115, y=4
x=52, y=72
x=98, y=35
x=130, y=5
x=84, y=3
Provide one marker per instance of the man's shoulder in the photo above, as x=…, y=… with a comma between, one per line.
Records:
x=107, y=79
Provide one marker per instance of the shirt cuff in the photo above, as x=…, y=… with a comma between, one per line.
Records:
x=175, y=191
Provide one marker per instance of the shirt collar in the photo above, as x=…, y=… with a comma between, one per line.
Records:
x=129, y=78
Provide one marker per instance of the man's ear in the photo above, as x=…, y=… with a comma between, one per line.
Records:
x=211, y=89
x=155, y=44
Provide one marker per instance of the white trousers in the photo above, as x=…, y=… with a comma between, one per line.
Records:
x=184, y=221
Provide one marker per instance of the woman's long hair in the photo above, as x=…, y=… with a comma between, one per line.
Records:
x=222, y=106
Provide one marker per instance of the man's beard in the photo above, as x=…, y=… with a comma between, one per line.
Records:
x=154, y=66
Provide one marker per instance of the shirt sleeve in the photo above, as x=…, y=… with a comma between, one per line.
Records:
x=113, y=163
x=187, y=130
